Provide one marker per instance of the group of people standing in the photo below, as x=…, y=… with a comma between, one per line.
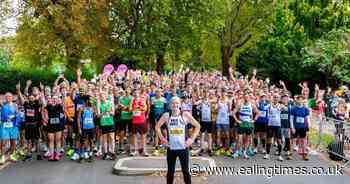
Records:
x=236, y=117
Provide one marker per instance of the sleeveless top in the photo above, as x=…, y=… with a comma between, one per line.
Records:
x=263, y=107
x=186, y=107
x=206, y=112
x=245, y=115
x=285, y=117
x=55, y=115
x=87, y=119
x=274, y=116
x=106, y=120
x=138, y=116
x=223, y=114
x=8, y=115
x=176, y=132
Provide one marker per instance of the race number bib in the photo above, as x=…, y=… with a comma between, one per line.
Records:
x=262, y=114
x=284, y=116
x=136, y=113
x=54, y=121
x=30, y=113
x=88, y=121
x=245, y=118
x=300, y=120
x=176, y=132
x=8, y=124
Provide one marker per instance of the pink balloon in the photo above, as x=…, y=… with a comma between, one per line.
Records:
x=108, y=69
x=122, y=68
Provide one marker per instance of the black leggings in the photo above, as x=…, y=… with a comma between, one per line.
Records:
x=184, y=161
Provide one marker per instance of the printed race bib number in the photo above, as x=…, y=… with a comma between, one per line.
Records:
x=245, y=118
x=284, y=116
x=54, y=121
x=176, y=131
x=300, y=120
x=88, y=121
x=136, y=113
x=262, y=114
x=105, y=116
x=8, y=124
x=30, y=113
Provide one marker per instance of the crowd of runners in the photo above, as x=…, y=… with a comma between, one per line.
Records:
x=97, y=118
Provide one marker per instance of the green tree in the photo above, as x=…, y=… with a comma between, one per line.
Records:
x=238, y=23
x=65, y=30
x=331, y=55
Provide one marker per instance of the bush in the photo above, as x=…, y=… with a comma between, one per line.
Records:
x=10, y=76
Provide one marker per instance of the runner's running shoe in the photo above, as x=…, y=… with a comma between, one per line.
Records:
x=201, y=152
x=28, y=157
x=156, y=153
x=237, y=154
x=47, y=154
x=86, y=155
x=13, y=157
x=296, y=148
x=305, y=157
x=250, y=152
x=21, y=152
x=220, y=152
x=134, y=153
x=193, y=153
x=52, y=157
x=75, y=157
x=61, y=151
x=210, y=153
x=245, y=155
x=229, y=152
x=112, y=156
x=280, y=158
x=2, y=160
x=57, y=156
x=70, y=152
x=267, y=156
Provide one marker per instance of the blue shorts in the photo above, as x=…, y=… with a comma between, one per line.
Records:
x=9, y=133
x=223, y=128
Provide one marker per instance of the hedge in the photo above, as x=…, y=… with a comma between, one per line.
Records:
x=10, y=76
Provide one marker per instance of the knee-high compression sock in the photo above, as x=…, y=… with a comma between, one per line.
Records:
x=279, y=147
x=255, y=141
x=268, y=147
x=287, y=144
x=263, y=143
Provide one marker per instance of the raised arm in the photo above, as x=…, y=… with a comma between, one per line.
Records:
x=19, y=93
x=26, y=89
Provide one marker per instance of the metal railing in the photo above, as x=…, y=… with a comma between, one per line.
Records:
x=330, y=135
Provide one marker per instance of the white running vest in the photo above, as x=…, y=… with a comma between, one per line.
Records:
x=274, y=116
x=205, y=112
x=177, y=132
x=223, y=114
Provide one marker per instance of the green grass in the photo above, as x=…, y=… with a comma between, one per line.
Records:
x=314, y=139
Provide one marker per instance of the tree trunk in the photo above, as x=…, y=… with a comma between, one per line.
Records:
x=226, y=54
x=160, y=63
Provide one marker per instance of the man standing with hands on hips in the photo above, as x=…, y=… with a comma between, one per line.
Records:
x=177, y=141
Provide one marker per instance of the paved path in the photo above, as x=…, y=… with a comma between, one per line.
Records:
x=68, y=172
